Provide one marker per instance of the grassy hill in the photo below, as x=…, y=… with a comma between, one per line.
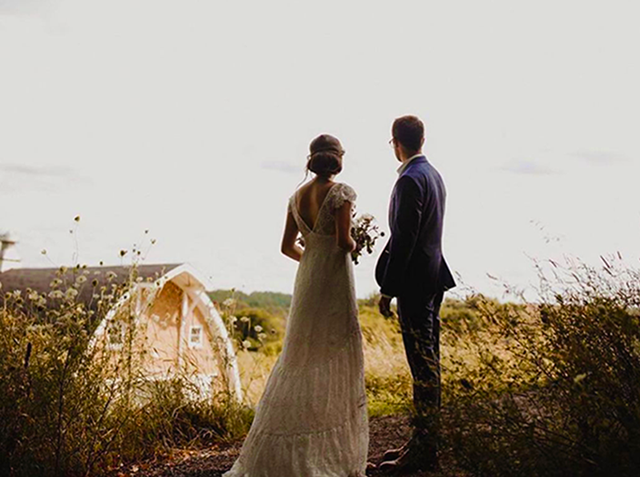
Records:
x=275, y=303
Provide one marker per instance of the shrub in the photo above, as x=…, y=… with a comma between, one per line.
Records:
x=259, y=327
x=555, y=386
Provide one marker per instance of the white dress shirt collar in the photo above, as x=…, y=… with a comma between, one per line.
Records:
x=406, y=163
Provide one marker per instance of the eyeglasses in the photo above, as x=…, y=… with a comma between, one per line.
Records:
x=391, y=142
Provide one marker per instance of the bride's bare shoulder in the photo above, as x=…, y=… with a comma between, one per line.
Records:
x=315, y=189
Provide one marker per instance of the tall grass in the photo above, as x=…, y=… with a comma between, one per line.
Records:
x=554, y=388
x=545, y=388
x=72, y=405
x=387, y=376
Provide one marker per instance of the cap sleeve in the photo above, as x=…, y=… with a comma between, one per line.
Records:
x=343, y=193
x=290, y=204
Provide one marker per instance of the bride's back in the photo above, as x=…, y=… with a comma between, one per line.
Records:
x=310, y=199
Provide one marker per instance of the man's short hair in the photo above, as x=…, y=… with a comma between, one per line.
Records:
x=409, y=132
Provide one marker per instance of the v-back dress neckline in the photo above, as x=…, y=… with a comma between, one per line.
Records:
x=324, y=201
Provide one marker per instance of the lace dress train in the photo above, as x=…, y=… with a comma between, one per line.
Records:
x=312, y=418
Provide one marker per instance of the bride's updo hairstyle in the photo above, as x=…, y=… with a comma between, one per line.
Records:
x=325, y=158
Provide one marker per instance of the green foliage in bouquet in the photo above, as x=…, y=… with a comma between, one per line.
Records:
x=365, y=232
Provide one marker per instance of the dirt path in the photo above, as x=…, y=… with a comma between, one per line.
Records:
x=386, y=432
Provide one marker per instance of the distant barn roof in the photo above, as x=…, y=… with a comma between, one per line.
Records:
x=39, y=279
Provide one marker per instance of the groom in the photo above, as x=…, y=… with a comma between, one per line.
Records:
x=412, y=269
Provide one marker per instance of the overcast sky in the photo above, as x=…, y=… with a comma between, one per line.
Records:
x=192, y=119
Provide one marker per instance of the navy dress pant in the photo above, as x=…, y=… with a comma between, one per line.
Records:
x=420, y=325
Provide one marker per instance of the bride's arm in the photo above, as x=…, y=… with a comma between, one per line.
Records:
x=343, y=228
x=289, y=246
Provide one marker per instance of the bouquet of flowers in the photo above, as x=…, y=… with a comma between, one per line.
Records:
x=365, y=232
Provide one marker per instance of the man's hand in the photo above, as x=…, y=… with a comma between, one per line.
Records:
x=384, y=305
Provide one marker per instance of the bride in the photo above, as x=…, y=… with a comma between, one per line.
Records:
x=312, y=418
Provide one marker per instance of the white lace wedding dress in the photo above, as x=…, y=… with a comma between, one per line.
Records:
x=312, y=418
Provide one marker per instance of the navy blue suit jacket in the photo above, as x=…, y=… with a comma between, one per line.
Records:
x=412, y=261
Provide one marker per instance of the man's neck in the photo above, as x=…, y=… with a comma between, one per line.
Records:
x=407, y=157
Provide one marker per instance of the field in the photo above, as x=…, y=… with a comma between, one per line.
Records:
x=541, y=388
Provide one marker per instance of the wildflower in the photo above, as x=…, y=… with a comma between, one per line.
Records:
x=262, y=336
x=17, y=293
x=229, y=302
x=33, y=296
x=77, y=218
x=245, y=319
x=579, y=378
x=43, y=251
x=71, y=293
x=111, y=275
x=56, y=294
x=123, y=253
x=233, y=319
x=246, y=344
x=81, y=279
x=55, y=282
x=258, y=328
x=139, y=279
